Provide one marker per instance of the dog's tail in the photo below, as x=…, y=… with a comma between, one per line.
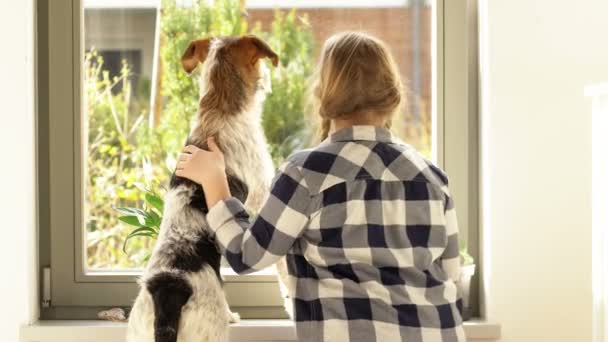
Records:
x=170, y=293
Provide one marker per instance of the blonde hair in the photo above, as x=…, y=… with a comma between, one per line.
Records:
x=356, y=73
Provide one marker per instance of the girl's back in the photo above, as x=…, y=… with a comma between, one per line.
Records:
x=375, y=261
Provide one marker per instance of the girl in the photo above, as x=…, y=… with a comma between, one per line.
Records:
x=368, y=225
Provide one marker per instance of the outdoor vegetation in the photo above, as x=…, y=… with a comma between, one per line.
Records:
x=136, y=127
x=132, y=148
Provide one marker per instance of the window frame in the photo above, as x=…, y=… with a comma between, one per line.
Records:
x=75, y=294
x=456, y=120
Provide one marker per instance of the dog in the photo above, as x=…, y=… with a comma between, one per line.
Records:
x=181, y=296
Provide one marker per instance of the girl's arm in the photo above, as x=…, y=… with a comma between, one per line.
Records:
x=450, y=258
x=249, y=244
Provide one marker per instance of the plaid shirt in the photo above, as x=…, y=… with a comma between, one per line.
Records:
x=370, y=234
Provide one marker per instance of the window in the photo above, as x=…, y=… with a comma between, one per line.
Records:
x=115, y=110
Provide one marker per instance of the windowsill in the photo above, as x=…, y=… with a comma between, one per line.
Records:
x=247, y=330
x=265, y=275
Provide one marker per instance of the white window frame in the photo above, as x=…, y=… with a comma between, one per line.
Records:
x=76, y=294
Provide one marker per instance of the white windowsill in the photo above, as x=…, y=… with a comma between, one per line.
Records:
x=248, y=330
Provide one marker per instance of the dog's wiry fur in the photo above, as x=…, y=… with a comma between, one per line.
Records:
x=181, y=297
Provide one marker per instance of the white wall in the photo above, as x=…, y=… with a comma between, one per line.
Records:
x=537, y=57
x=17, y=210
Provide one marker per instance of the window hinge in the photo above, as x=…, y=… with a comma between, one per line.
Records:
x=46, y=287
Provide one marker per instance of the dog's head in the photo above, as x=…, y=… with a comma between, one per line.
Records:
x=232, y=64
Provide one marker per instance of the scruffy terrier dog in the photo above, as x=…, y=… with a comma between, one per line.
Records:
x=181, y=296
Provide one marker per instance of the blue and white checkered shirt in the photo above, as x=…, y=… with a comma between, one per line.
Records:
x=370, y=234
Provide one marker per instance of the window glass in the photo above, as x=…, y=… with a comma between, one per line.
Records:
x=138, y=103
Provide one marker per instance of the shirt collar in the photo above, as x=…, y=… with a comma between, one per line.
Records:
x=353, y=133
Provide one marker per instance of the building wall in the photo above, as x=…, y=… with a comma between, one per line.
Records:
x=536, y=164
x=18, y=290
x=132, y=29
x=391, y=24
x=135, y=28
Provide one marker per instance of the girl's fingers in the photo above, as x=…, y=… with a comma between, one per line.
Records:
x=181, y=165
x=184, y=156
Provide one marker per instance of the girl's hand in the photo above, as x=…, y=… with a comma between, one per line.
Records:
x=206, y=168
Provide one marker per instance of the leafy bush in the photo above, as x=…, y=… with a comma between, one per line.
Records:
x=116, y=167
x=130, y=160
x=285, y=121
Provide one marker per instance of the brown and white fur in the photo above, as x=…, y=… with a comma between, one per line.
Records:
x=181, y=297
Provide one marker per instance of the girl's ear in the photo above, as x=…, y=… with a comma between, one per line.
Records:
x=196, y=53
x=262, y=49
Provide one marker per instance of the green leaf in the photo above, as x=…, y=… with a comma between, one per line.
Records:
x=130, y=211
x=130, y=220
x=153, y=219
x=139, y=232
x=144, y=229
x=155, y=201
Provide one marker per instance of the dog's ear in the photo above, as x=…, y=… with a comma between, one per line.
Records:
x=262, y=49
x=196, y=53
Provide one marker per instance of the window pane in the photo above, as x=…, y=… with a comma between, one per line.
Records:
x=119, y=43
x=139, y=103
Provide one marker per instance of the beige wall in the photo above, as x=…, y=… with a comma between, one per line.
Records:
x=536, y=163
x=18, y=293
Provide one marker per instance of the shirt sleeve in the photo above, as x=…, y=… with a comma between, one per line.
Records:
x=450, y=259
x=250, y=245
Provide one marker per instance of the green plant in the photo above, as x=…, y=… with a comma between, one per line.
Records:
x=115, y=165
x=284, y=122
x=466, y=259
x=290, y=36
x=146, y=221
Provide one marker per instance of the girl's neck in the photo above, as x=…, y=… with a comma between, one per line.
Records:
x=359, y=119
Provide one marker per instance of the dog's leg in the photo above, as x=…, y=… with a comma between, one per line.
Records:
x=169, y=294
x=233, y=317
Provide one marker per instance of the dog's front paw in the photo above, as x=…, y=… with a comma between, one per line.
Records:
x=233, y=317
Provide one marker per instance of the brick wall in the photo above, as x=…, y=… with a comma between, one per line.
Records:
x=393, y=26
